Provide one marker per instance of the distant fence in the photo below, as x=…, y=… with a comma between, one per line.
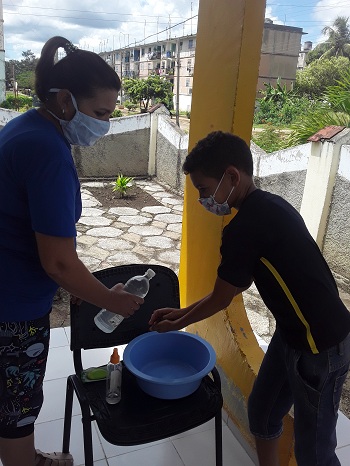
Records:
x=313, y=177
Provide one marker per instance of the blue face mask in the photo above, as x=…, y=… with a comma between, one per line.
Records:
x=212, y=206
x=82, y=129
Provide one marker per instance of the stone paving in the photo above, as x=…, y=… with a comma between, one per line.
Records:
x=124, y=235
x=152, y=235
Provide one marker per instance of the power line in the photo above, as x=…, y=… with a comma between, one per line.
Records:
x=282, y=5
x=84, y=19
x=160, y=32
x=88, y=11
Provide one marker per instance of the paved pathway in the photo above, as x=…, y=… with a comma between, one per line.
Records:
x=123, y=235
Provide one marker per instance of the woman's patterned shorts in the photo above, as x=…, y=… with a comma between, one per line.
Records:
x=23, y=354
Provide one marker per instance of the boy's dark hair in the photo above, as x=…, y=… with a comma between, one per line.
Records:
x=80, y=71
x=213, y=154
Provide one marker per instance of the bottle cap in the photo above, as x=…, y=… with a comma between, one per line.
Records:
x=150, y=274
x=115, y=356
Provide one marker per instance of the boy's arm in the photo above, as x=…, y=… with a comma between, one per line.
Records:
x=221, y=297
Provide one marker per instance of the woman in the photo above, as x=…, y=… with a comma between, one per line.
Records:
x=40, y=203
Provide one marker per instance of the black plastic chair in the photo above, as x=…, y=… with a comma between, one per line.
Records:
x=138, y=418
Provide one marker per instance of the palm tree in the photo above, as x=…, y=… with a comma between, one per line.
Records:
x=338, y=38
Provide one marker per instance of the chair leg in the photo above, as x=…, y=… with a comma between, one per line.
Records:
x=87, y=434
x=67, y=417
x=218, y=439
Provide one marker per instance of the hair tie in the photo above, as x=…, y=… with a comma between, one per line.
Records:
x=70, y=48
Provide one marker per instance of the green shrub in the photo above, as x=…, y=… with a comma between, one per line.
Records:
x=282, y=114
x=270, y=139
x=130, y=105
x=116, y=113
x=21, y=102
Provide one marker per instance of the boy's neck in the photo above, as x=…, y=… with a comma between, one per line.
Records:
x=246, y=187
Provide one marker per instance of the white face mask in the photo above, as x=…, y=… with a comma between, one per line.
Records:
x=82, y=129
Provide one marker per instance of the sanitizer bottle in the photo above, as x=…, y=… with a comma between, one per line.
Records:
x=114, y=379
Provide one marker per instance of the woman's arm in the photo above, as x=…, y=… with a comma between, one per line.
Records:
x=60, y=261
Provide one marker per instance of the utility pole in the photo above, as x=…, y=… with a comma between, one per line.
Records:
x=178, y=82
x=191, y=16
x=2, y=57
x=121, y=76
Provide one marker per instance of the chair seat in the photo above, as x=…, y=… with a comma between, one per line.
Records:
x=140, y=418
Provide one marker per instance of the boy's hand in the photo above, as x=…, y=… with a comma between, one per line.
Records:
x=164, y=320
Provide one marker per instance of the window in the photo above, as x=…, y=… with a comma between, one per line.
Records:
x=190, y=43
x=187, y=82
x=143, y=52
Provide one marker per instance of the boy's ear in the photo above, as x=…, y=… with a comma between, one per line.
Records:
x=234, y=173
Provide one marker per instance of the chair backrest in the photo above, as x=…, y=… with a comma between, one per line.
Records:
x=163, y=292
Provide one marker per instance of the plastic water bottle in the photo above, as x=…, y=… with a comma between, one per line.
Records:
x=114, y=379
x=139, y=285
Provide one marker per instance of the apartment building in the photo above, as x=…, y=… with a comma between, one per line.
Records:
x=174, y=59
x=280, y=49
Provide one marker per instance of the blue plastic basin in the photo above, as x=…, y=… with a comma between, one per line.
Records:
x=169, y=365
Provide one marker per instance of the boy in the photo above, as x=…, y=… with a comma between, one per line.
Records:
x=267, y=242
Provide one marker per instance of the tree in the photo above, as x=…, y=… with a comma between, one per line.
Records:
x=335, y=110
x=26, y=66
x=26, y=80
x=319, y=75
x=338, y=38
x=155, y=88
x=317, y=52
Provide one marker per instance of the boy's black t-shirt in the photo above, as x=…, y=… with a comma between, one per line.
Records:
x=267, y=241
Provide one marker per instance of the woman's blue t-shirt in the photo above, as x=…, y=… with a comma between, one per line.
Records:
x=39, y=192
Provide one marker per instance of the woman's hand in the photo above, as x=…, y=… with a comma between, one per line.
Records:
x=59, y=259
x=127, y=303
x=166, y=319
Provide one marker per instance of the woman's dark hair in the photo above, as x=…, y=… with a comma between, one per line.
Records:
x=213, y=154
x=80, y=71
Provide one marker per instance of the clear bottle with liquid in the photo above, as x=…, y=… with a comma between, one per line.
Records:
x=114, y=379
x=139, y=285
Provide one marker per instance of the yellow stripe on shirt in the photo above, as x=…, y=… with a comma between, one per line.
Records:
x=294, y=304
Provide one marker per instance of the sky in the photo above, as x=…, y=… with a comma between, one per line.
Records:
x=99, y=26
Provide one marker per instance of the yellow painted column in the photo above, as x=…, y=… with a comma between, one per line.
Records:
x=225, y=77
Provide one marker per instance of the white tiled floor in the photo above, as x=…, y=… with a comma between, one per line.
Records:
x=192, y=448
